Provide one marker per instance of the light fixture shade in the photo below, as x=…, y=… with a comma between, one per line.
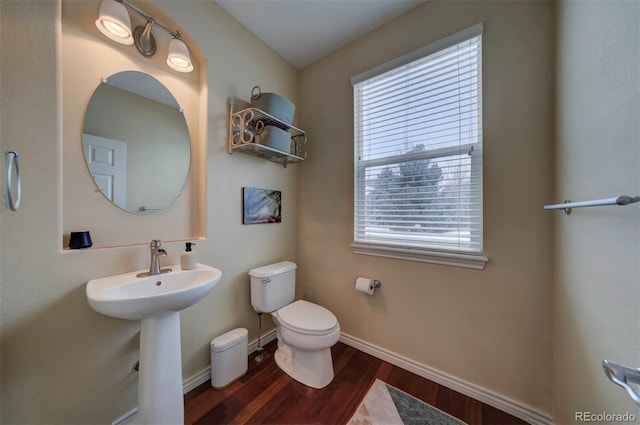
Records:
x=178, y=58
x=114, y=22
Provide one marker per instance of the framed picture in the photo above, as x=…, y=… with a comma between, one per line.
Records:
x=261, y=206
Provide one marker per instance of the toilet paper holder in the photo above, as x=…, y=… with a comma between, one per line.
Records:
x=374, y=284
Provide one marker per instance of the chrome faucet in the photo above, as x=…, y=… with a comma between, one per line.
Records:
x=155, y=247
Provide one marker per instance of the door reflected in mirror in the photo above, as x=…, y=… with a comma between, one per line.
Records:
x=136, y=142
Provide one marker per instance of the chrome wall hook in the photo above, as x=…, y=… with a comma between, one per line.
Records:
x=624, y=376
x=13, y=168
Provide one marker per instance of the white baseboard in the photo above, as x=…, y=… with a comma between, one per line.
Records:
x=128, y=418
x=196, y=380
x=489, y=397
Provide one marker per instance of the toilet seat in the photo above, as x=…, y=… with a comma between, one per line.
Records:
x=307, y=318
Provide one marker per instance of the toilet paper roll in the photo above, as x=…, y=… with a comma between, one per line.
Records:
x=364, y=285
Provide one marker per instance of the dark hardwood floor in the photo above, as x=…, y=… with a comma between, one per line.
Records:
x=267, y=395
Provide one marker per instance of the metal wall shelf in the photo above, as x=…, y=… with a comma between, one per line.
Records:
x=242, y=129
x=618, y=200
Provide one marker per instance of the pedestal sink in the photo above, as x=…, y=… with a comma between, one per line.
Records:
x=156, y=301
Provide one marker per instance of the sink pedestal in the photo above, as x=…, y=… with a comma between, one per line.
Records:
x=160, y=396
x=156, y=301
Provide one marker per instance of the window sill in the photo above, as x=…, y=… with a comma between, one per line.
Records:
x=469, y=261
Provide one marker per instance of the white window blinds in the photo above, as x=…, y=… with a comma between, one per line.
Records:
x=418, y=149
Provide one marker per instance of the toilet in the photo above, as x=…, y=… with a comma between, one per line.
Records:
x=305, y=331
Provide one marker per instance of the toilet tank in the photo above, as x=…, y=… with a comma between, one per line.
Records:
x=273, y=286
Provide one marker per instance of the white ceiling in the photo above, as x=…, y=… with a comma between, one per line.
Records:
x=303, y=31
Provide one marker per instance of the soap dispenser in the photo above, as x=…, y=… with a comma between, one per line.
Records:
x=188, y=258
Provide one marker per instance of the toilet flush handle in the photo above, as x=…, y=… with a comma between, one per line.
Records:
x=267, y=280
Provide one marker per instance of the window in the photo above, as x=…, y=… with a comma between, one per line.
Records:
x=418, y=154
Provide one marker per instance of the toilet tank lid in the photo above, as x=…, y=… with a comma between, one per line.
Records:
x=273, y=269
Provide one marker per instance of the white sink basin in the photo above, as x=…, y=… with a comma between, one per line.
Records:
x=155, y=301
x=129, y=297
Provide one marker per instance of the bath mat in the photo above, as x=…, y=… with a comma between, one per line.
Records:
x=387, y=405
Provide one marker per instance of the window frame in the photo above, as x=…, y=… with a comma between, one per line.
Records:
x=423, y=253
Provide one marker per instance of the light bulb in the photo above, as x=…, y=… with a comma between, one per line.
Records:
x=115, y=29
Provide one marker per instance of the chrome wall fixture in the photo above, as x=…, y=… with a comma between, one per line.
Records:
x=13, y=167
x=114, y=22
x=625, y=376
x=618, y=200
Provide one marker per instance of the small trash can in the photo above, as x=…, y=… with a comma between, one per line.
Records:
x=229, y=357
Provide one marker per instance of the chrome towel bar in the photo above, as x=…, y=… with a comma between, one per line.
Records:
x=618, y=200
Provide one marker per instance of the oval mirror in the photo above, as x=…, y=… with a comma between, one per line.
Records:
x=136, y=142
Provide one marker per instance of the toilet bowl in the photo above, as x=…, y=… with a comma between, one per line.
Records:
x=305, y=331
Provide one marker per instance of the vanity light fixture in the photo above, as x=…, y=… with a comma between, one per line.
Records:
x=144, y=40
x=178, y=58
x=114, y=22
